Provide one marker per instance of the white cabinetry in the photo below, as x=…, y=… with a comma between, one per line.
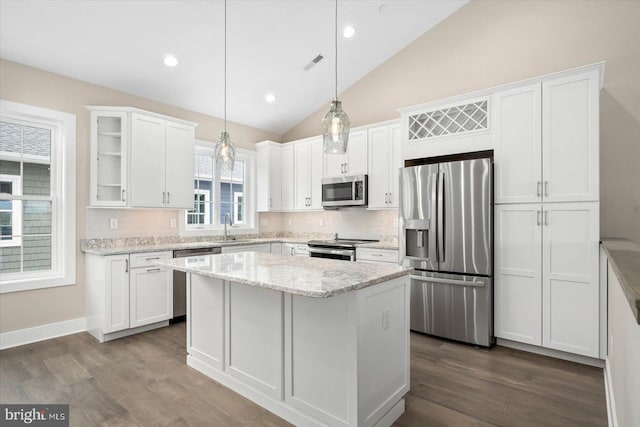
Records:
x=140, y=159
x=384, y=164
x=109, y=151
x=161, y=163
x=546, y=214
x=269, y=176
x=308, y=173
x=150, y=290
x=353, y=162
x=385, y=256
x=547, y=275
x=127, y=294
x=547, y=141
x=288, y=188
x=295, y=249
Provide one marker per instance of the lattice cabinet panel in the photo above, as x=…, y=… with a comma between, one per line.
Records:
x=449, y=121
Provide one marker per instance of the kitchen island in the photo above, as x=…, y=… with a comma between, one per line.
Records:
x=315, y=341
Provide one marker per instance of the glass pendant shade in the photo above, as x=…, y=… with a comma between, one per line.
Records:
x=335, y=129
x=225, y=154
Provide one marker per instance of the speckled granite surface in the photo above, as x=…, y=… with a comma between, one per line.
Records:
x=117, y=246
x=624, y=257
x=310, y=277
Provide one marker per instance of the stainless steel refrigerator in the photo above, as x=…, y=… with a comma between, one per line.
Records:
x=446, y=219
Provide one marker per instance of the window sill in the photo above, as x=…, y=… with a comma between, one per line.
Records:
x=30, y=284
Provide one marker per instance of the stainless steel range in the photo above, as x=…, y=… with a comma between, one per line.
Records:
x=342, y=249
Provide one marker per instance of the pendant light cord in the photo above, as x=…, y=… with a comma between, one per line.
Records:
x=336, y=39
x=225, y=65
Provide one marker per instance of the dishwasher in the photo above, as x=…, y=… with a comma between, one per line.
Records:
x=180, y=281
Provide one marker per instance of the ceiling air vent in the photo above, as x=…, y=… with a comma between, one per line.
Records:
x=313, y=62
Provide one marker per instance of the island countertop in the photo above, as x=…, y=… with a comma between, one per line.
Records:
x=310, y=277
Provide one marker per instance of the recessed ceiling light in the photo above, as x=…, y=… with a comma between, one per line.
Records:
x=348, y=32
x=270, y=97
x=170, y=61
x=383, y=8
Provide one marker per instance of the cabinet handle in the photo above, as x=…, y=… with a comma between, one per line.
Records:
x=123, y=194
x=151, y=270
x=291, y=249
x=164, y=198
x=126, y=265
x=341, y=167
x=390, y=198
x=546, y=217
x=537, y=217
x=376, y=254
x=270, y=203
x=151, y=259
x=546, y=188
x=538, y=189
x=386, y=198
x=346, y=167
x=168, y=197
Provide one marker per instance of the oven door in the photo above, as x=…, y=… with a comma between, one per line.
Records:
x=332, y=253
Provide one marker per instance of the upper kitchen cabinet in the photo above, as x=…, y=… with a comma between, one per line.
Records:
x=307, y=155
x=354, y=162
x=456, y=125
x=547, y=140
x=140, y=159
x=269, y=174
x=288, y=188
x=109, y=164
x=383, y=165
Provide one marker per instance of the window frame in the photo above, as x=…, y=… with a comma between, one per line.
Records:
x=16, y=210
x=63, y=197
x=249, y=188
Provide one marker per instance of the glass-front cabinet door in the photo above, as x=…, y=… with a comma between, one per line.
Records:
x=109, y=140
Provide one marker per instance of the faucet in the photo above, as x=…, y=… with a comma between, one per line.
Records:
x=225, y=224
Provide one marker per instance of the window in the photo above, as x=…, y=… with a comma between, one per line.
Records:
x=217, y=196
x=37, y=197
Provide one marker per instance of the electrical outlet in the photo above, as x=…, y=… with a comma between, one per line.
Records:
x=321, y=222
x=386, y=318
x=290, y=221
x=264, y=221
x=113, y=223
x=173, y=223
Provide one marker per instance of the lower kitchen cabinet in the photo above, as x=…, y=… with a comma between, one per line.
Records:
x=127, y=294
x=383, y=256
x=150, y=296
x=546, y=275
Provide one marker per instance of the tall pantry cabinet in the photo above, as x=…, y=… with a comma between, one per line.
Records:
x=547, y=212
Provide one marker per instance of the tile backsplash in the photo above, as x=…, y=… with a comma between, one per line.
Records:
x=348, y=223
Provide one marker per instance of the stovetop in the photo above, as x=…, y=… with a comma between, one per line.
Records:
x=339, y=243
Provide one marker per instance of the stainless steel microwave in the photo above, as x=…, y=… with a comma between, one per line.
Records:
x=344, y=191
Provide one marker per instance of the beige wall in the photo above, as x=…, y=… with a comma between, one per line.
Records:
x=490, y=43
x=27, y=85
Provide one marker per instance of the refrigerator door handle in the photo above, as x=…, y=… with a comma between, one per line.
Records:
x=447, y=281
x=441, y=217
x=432, y=220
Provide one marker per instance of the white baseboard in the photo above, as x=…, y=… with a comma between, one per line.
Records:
x=608, y=389
x=41, y=333
x=577, y=358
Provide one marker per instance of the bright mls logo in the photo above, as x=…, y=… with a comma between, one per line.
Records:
x=35, y=415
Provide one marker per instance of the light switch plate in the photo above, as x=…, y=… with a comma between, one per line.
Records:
x=264, y=221
x=172, y=223
x=113, y=223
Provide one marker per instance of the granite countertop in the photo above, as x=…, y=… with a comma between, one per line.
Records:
x=310, y=277
x=379, y=245
x=624, y=257
x=128, y=246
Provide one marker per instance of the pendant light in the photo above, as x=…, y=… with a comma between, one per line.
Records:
x=335, y=124
x=225, y=150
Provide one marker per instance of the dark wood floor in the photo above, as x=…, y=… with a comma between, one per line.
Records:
x=143, y=381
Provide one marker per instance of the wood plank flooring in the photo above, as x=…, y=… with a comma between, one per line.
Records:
x=143, y=380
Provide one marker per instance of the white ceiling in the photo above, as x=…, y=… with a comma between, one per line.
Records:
x=121, y=45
